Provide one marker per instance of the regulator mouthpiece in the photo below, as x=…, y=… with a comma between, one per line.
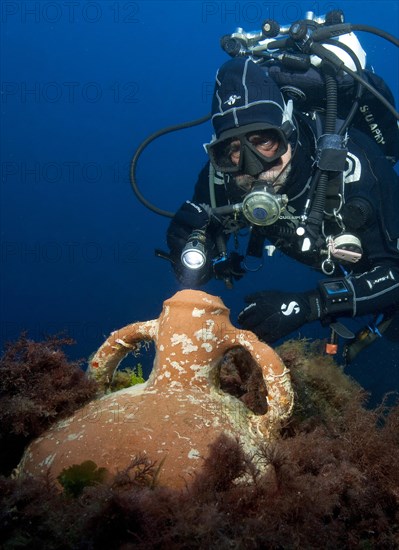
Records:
x=261, y=207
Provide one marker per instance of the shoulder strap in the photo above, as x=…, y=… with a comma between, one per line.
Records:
x=215, y=178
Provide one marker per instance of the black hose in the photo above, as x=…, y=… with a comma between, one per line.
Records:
x=378, y=32
x=371, y=89
x=323, y=53
x=317, y=210
x=332, y=104
x=141, y=148
x=359, y=90
x=323, y=33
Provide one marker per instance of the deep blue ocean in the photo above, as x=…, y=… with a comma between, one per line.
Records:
x=82, y=84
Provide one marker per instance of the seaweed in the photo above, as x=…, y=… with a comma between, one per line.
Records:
x=330, y=480
x=38, y=386
x=127, y=377
x=78, y=476
x=241, y=376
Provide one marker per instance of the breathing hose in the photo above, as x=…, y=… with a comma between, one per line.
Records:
x=317, y=210
x=320, y=180
x=378, y=32
x=143, y=145
x=360, y=81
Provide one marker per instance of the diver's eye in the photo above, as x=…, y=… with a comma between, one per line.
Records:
x=267, y=144
x=234, y=149
x=262, y=142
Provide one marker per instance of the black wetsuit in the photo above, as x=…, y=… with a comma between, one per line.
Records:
x=369, y=181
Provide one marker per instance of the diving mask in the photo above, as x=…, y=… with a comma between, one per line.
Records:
x=251, y=152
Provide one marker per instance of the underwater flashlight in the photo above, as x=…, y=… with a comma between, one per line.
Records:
x=261, y=207
x=193, y=255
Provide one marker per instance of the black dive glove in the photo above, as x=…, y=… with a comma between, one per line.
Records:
x=273, y=314
x=190, y=216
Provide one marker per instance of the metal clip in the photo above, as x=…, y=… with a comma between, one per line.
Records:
x=328, y=266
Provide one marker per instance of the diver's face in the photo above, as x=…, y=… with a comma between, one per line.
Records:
x=266, y=142
x=276, y=175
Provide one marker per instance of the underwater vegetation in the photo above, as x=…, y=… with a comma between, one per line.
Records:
x=332, y=481
x=38, y=386
x=127, y=377
x=79, y=476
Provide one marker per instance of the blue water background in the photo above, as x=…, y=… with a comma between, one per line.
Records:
x=83, y=83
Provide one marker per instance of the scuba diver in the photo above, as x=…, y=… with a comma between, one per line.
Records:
x=302, y=157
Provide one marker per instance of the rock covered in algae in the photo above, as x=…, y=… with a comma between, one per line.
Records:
x=208, y=379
